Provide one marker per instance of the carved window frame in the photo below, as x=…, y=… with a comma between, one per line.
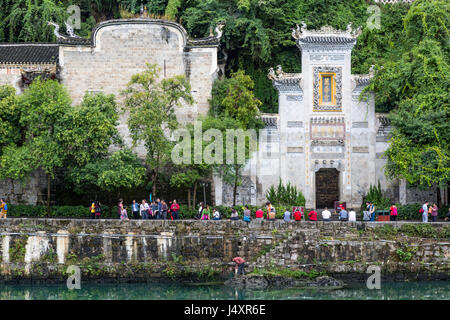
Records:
x=336, y=85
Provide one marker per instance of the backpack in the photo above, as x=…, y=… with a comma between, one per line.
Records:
x=5, y=207
x=421, y=210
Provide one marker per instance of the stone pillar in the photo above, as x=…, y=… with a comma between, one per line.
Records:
x=402, y=191
x=218, y=185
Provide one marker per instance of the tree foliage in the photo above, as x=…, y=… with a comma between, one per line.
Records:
x=151, y=104
x=416, y=87
x=50, y=134
x=118, y=171
x=234, y=97
x=10, y=132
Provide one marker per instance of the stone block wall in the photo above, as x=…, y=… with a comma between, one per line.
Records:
x=24, y=192
x=31, y=247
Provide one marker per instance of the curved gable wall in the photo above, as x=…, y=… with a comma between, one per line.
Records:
x=122, y=49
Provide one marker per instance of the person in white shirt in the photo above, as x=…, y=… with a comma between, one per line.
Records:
x=216, y=215
x=425, y=212
x=352, y=215
x=326, y=214
x=144, y=208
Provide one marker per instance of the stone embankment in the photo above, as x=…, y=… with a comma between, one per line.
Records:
x=114, y=250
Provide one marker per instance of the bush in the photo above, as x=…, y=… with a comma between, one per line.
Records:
x=186, y=213
x=442, y=213
x=20, y=210
x=285, y=195
x=409, y=211
x=375, y=195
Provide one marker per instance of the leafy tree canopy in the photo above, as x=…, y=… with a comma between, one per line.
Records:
x=416, y=87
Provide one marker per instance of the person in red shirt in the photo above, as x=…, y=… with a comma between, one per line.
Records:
x=312, y=215
x=297, y=215
x=259, y=214
x=175, y=208
x=240, y=263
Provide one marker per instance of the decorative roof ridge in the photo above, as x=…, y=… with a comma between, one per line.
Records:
x=281, y=76
x=212, y=40
x=24, y=44
x=300, y=33
x=364, y=79
x=268, y=115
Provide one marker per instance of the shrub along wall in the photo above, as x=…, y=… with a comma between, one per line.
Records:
x=405, y=212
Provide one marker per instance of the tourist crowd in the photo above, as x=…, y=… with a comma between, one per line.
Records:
x=159, y=209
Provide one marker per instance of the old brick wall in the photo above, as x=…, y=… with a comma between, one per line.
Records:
x=341, y=248
x=124, y=48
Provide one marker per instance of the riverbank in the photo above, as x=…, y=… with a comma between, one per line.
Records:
x=40, y=250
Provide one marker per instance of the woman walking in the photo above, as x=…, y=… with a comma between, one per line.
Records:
x=394, y=213
x=124, y=214
x=434, y=212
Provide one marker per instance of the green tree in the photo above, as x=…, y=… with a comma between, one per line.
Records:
x=416, y=87
x=90, y=129
x=187, y=178
x=151, y=105
x=26, y=20
x=234, y=97
x=43, y=106
x=54, y=135
x=10, y=130
x=113, y=173
x=228, y=165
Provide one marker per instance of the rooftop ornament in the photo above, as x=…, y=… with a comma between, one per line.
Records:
x=325, y=34
x=69, y=31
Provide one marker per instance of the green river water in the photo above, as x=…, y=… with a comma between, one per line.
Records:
x=156, y=291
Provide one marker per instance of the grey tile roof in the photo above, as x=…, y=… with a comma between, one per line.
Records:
x=326, y=39
x=26, y=53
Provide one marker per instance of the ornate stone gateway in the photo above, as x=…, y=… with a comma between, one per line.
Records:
x=327, y=187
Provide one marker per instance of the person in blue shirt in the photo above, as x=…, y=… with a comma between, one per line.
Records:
x=287, y=216
x=343, y=215
x=159, y=212
x=135, y=210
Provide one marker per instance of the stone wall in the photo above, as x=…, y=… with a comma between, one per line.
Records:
x=144, y=250
x=30, y=191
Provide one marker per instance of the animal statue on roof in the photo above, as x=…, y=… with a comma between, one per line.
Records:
x=70, y=32
x=218, y=30
x=56, y=30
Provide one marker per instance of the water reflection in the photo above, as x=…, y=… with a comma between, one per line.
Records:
x=157, y=291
